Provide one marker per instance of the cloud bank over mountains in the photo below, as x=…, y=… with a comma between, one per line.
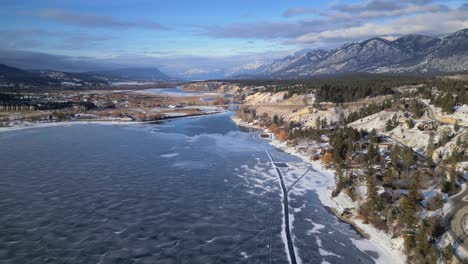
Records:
x=98, y=38
x=353, y=22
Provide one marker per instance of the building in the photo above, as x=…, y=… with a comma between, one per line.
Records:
x=427, y=126
x=16, y=107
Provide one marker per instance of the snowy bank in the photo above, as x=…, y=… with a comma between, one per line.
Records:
x=389, y=250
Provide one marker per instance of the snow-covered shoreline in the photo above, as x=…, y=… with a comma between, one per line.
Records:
x=389, y=250
x=33, y=125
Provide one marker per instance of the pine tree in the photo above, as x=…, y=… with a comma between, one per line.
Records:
x=409, y=123
x=422, y=243
x=448, y=253
x=416, y=108
x=342, y=119
x=324, y=123
x=374, y=202
x=395, y=162
x=388, y=125
x=443, y=179
x=349, y=150
x=410, y=204
x=373, y=136
x=394, y=120
x=340, y=181
x=372, y=153
x=453, y=180
x=430, y=145
x=408, y=158
x=456, y=127
x=276, y=119
x=448, y=103
x=318, y=123
x=389, y=177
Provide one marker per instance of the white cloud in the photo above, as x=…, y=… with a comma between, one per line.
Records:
x=435, y=24
x=91, y=20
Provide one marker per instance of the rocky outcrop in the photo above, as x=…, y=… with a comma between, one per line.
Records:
x=202, y=86
x=211, y=86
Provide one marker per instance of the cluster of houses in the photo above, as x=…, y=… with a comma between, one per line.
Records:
x=314, y=149
x=16, y=107
x=19, y=106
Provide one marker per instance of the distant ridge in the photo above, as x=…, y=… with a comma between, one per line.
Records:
x=412, y=54
x=8, y=72
x=136, y=74
x=11, y=76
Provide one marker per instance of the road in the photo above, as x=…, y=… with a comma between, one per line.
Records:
x=456, y=217
x=431, y=114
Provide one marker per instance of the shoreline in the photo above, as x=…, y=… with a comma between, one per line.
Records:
x=36, y=125
x=389, y=250
x=348, y=221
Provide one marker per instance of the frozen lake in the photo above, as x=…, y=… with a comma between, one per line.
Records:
x=176, y=91
x=196, y=190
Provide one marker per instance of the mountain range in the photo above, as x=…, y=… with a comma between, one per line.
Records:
x=135, y=74
x=412, y=54
x=408, y=54
x=12, y=77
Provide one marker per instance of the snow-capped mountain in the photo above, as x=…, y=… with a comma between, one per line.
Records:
x=406, y=54
x=249, y=68
x=293, y=61
x=200, y=74
x=416, y=43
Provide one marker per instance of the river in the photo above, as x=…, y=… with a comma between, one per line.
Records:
x=193, y=190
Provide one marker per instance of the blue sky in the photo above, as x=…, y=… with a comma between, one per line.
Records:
x=182, y=24
x=206, y=34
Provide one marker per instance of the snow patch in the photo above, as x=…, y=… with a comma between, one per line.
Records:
x=169, y=155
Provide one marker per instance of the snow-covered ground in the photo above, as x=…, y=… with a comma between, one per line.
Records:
x=461, y=113
x=412, y=137
x=28, y=125
x=377, y=120
x=323, y=182
x=390, y=250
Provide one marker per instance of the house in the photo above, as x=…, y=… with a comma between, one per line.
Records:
x=427, y=126
x=361, y=145
x=315, y=157
x=6, y=107
x=385, y=148
x=389, y=195
x=358, y=158
x=325, y=147
x=386, y=145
